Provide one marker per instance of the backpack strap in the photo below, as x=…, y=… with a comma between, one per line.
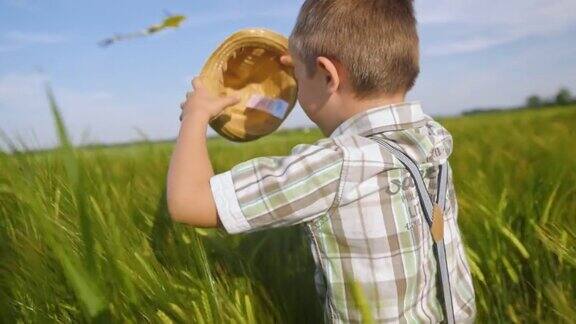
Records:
x=434, y=216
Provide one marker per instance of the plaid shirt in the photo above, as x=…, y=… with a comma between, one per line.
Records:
x=362, y=214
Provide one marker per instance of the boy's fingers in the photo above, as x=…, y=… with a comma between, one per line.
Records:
x=197, y=83
x=286, y=59
x=229, y=100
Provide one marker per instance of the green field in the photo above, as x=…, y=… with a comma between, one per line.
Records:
x=85, y=235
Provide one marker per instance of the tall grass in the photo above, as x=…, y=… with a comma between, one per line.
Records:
x=516, y=183
x=85, y=235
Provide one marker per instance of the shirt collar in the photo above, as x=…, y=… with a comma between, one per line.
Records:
x=383, y=118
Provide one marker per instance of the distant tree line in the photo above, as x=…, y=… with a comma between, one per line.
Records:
x=562, y=98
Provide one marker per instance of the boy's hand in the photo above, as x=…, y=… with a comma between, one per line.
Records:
x=286, y=59
x=201, y=103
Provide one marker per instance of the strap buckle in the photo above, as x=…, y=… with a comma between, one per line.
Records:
x=437, y=228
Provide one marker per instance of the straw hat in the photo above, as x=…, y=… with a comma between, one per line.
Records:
x=247, y=63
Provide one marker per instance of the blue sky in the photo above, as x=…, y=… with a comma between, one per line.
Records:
x=474, y=54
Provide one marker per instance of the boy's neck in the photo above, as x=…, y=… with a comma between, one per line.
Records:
x=351, y=106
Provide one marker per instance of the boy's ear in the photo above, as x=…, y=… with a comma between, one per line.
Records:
x=330, y=72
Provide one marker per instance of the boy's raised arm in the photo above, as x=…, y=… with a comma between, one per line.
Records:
x=263, y=192
x=188, y=190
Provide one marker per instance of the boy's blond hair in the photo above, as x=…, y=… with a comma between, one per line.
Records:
x=376, y=41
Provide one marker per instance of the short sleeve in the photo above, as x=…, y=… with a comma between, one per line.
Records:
x=277, y=191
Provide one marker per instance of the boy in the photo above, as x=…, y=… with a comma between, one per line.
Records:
x=362, y=209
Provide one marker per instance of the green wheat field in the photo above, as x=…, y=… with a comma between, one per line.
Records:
x=85, y=235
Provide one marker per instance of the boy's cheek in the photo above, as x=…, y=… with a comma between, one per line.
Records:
x=303, y=94
x=308, y=98
x=302, y=99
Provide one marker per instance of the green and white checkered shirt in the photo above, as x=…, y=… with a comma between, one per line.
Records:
x=362, y=214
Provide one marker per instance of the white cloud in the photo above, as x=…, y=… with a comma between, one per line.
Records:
x=99, y=113
x=16, y=40
x=20, y=100
x=21, y=37
x=464, y=46
x=19, y=89
x=462, y=26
